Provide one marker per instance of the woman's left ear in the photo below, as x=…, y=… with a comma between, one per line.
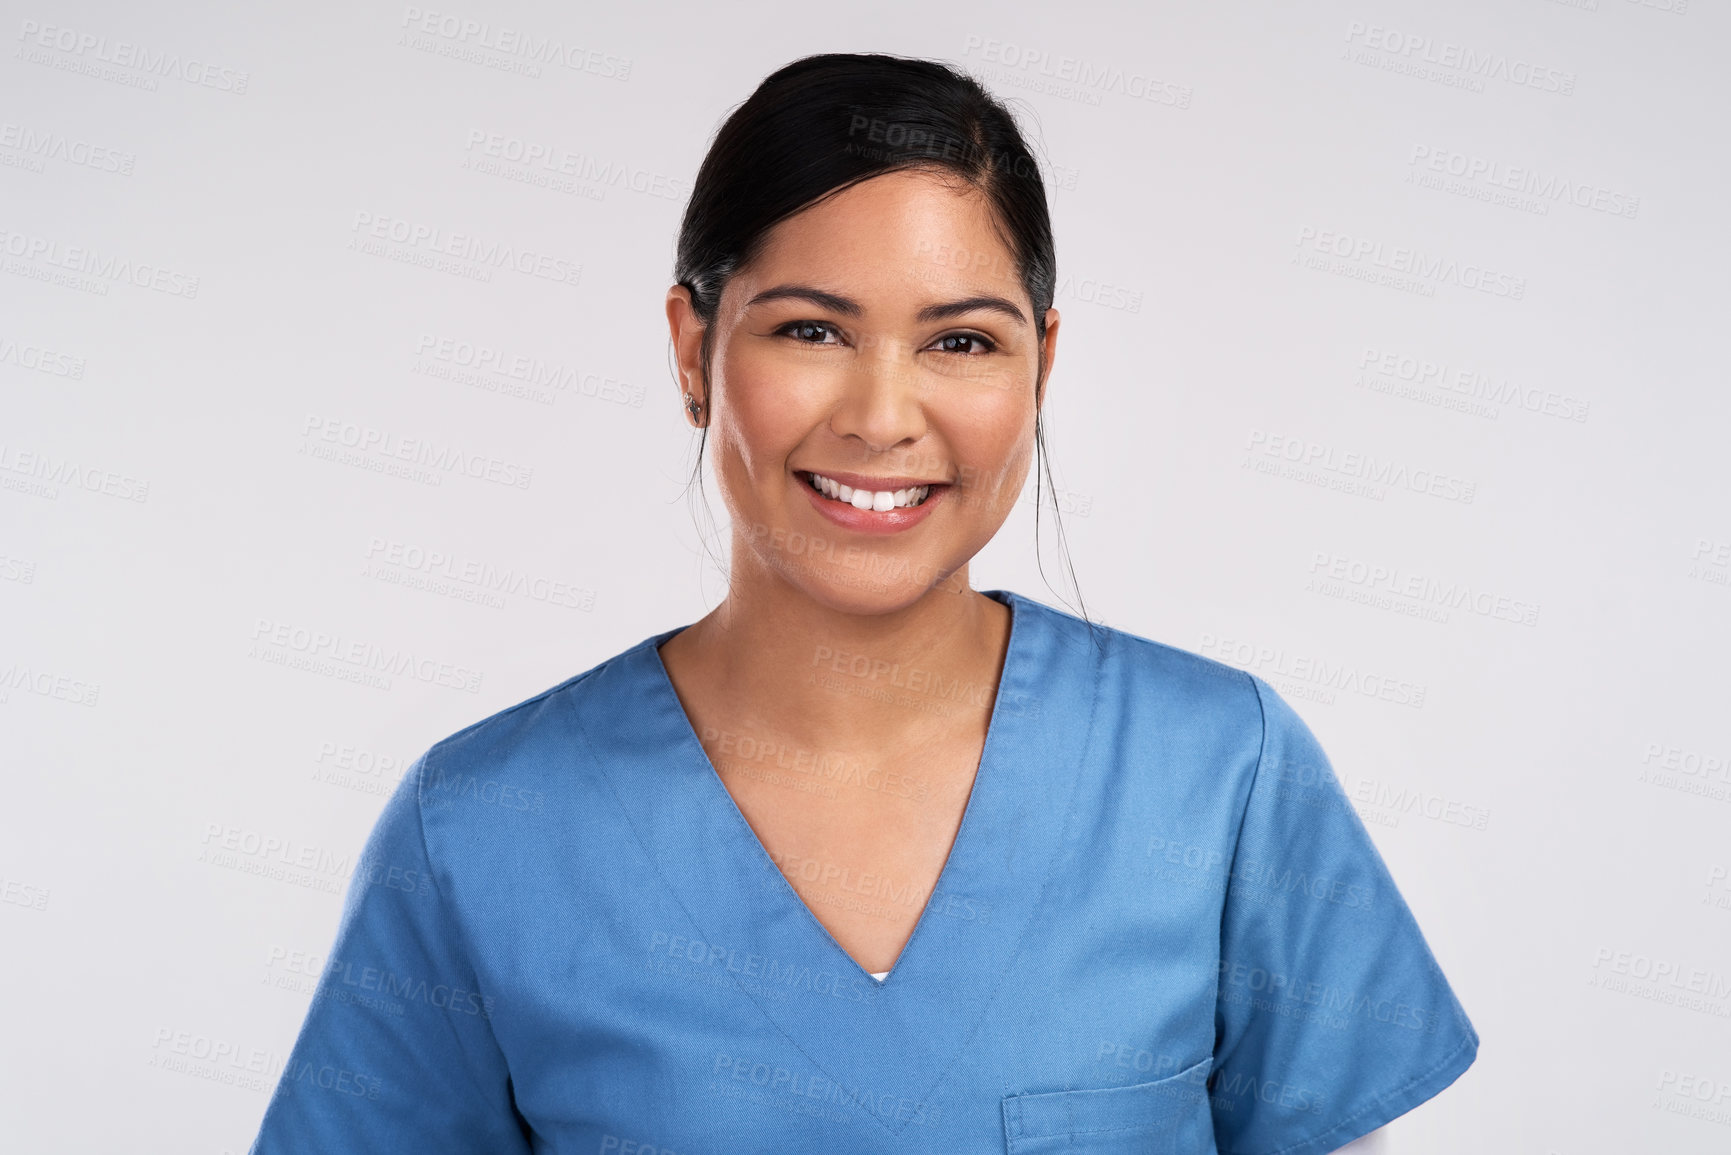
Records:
x=1048, y=352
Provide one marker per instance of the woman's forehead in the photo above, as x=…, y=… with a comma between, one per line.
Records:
x=903, y=232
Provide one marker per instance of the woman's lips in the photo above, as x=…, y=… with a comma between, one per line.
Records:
x=890, y=504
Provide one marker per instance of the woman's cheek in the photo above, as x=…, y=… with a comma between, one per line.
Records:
x=773, y=401
x=994, y=445
x=750, y=425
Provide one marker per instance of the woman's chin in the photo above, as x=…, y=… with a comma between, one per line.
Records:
x=866, y=589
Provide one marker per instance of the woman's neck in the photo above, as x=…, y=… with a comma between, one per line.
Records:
x=773, y=657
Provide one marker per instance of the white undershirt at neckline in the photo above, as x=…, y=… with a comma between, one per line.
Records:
x=879, y=976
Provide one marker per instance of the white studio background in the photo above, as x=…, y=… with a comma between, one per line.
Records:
x=1392, y=370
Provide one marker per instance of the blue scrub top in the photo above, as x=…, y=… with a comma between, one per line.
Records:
x=1161, y=929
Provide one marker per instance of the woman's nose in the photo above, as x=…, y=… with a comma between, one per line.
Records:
x=882, y=400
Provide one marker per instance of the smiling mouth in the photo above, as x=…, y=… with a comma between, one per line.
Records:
x=881, y=500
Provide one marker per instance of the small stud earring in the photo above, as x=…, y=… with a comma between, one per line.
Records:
x=693, y=406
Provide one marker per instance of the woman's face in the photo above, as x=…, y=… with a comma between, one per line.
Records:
x=881, y=341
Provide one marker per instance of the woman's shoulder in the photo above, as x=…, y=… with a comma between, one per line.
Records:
x=540, y=734
x=1139, y=666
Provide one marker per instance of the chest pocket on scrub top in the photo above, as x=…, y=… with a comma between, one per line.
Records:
x=1167, y=1117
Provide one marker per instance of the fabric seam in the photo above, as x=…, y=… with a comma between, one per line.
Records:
x=446, y=918
x=1046, y=879
x=1107, y=1130
x=1470, y=1041
x=1238, y=835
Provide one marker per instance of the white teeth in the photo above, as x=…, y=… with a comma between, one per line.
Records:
x=882, y=501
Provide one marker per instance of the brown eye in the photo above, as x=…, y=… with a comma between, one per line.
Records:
x=808, y=332
x=964, y=343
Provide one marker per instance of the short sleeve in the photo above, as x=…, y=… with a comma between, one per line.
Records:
x=396, y=1053
x=1333, y=1016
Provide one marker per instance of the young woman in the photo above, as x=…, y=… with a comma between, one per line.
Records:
x=866, y=860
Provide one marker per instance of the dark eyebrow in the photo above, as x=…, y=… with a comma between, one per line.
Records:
x=957, y=308
x=830, y=301
x=848, y=307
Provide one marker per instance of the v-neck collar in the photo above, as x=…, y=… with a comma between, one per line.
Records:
x=724, y=798
x=900, y=1035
